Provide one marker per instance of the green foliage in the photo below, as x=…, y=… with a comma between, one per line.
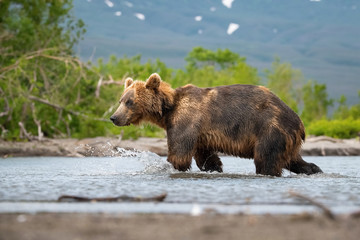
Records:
x=345, y=122
x=30, y=25
x=346, y=128
x=206, y=68
x=200, y=57
x=286, y=83
x=36, y=66
x=316, y=102
x=120, y=68
x=344, y=111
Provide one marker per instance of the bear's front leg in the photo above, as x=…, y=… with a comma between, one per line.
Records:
x=181, y=163
x=208, y=160
x=181, y=146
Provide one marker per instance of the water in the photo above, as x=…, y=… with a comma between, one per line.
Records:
x=34, y=185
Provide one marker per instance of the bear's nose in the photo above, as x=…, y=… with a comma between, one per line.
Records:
x=113, y=118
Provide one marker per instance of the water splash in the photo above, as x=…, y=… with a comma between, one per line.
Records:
x=126, y=152
x=154, y=163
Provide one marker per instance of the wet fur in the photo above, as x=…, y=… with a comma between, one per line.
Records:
x=240, y=120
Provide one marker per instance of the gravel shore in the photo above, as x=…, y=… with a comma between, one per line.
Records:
x=54, y=226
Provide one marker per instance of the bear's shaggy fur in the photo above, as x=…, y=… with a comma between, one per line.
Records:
x=241, y=120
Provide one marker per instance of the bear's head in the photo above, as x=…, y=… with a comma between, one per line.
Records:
x=144, y=101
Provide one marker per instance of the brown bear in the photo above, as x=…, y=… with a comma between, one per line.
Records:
x=240, y=120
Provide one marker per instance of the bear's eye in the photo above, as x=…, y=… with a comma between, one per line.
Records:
x=129, y=103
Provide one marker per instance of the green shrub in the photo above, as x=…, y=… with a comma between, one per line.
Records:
x=347, y=128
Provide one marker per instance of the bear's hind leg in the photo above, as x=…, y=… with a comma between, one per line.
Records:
x=269, y=156
x=208, y=160
x=268, y=165
x=299, y=166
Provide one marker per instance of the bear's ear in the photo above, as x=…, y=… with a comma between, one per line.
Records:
x=128, y=82
x=153, y=81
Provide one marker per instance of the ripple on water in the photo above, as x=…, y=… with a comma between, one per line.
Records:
x=205, y=175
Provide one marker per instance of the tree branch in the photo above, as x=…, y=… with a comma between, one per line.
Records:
x=97, y=91
x=123, y=198
x=23, y=131
x=7, y=107
x=44, y=101
x=325, y=210
x=37, y=122
x=109, y=82
x=28, y=56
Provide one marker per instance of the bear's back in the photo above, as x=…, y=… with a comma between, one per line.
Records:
x=233, y=107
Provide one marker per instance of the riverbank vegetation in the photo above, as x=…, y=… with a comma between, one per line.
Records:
x=46, y=90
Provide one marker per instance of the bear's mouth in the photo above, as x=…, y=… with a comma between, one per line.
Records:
x=119, y=124
x=123, y=125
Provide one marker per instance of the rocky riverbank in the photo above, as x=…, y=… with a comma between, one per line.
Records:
x=103, y=146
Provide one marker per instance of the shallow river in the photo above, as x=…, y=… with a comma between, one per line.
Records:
x=34, y=185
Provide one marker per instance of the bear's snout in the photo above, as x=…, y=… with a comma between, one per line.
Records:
x=116, y=121
x=113, y=118
x=119, y=120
